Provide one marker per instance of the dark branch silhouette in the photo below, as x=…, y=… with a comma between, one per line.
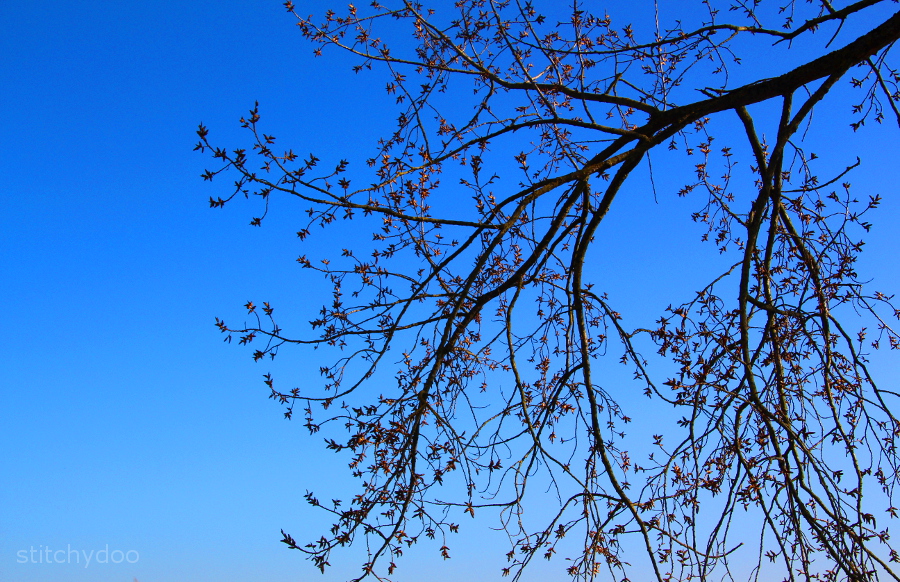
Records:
x=769, y=420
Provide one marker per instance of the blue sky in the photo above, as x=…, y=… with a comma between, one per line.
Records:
x=125, y=422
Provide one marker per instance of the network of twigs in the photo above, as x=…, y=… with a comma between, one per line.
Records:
x=775, y=427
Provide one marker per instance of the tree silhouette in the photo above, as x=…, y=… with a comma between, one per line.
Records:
x=772, y=423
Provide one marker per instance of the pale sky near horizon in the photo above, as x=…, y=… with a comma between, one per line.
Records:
x=126, y=424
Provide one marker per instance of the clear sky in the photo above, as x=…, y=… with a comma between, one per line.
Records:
x=125, y=424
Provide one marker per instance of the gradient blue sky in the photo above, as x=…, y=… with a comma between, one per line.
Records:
x=124, y=421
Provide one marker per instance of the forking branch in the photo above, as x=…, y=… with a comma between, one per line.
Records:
x=490, y=312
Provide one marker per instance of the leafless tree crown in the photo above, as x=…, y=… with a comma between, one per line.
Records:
x=471, y=327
